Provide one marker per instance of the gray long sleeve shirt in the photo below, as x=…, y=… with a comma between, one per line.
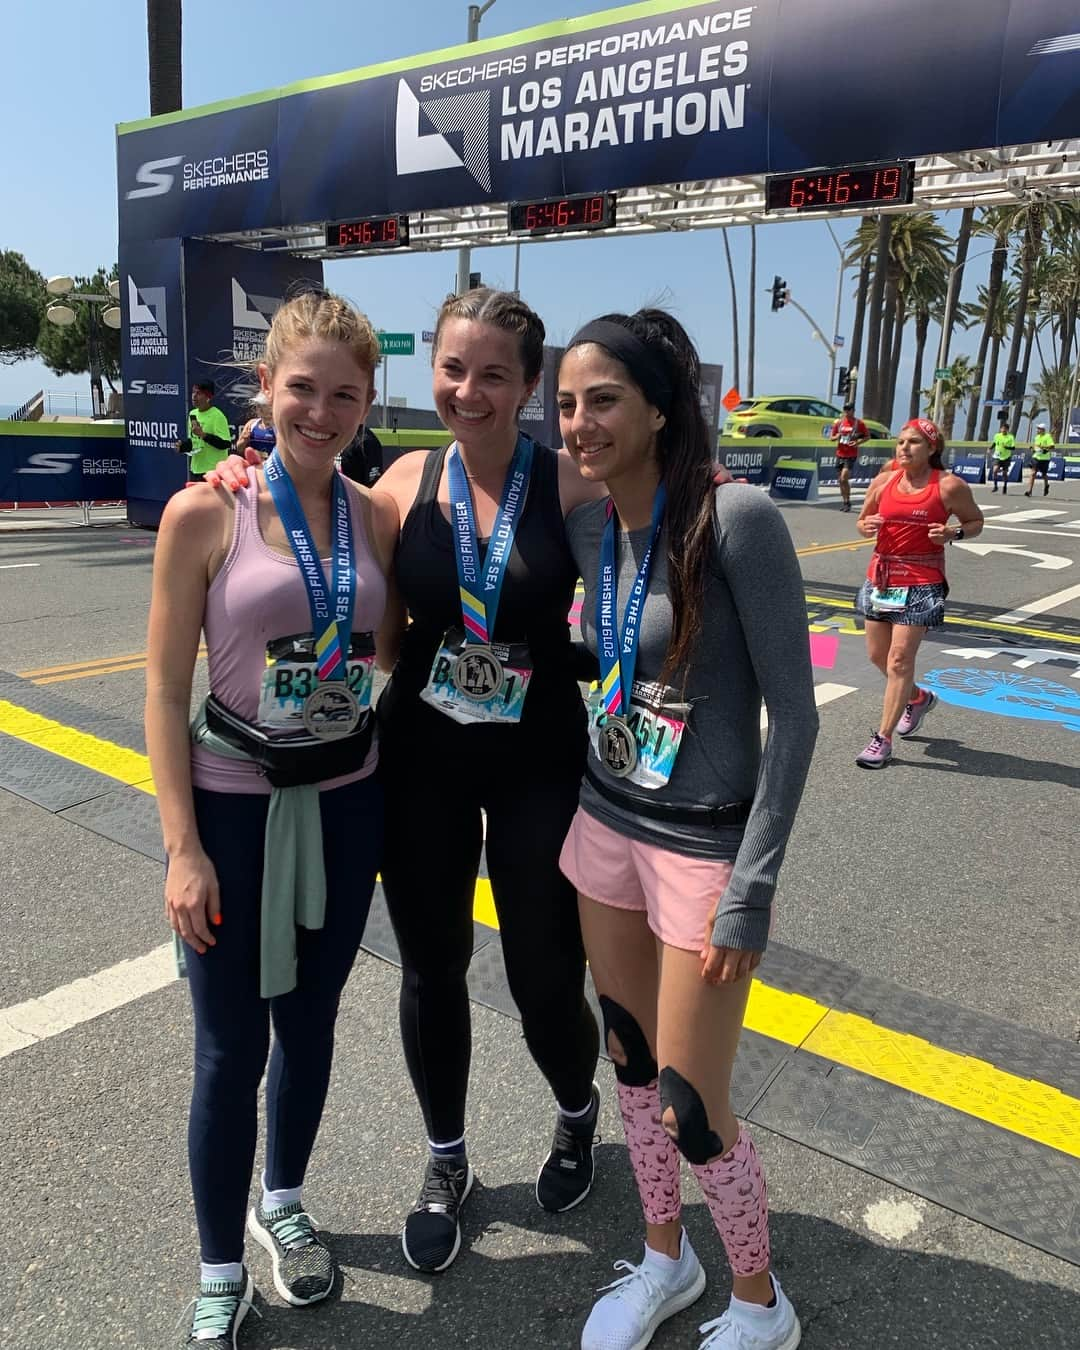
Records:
x=753, y=646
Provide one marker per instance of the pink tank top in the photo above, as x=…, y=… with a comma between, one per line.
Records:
x=257, y=596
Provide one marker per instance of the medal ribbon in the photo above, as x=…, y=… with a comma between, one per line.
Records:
x=480, y=588
x=331, y=606
x=617, y=666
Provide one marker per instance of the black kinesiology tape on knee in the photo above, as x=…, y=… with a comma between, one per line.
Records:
x=640, y=1067
x=696, y=1142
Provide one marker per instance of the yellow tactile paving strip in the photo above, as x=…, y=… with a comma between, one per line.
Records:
x=1025, y=1107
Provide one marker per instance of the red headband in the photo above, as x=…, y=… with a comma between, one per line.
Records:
x=926, y=429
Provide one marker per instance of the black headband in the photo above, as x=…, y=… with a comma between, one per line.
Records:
x=637, y=356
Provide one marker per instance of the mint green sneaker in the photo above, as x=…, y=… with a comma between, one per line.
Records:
x=218, y=1309
x=304, y=1270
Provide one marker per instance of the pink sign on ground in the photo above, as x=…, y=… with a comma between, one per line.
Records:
x=823, y=649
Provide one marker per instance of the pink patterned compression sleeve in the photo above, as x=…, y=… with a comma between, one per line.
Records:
x=653, y=1154
x=735, y=1192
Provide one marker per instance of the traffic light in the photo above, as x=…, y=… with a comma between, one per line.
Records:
x=843, y=382
x=1011, y=390
x=779, y=293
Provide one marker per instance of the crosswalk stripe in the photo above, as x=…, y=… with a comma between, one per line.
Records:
x=1031, y=513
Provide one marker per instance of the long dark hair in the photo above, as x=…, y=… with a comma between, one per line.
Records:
x=685, y=458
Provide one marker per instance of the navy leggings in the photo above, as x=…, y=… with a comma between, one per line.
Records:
x=232, y=1022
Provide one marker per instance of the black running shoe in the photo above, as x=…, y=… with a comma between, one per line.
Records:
x=431, y=1237
x=217, y=1312
x=304, y=1270
x=566, y=1177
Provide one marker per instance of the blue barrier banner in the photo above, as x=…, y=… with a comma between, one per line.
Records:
x=42, y=466
x=795, y=482
x=658, y=92
x=1016, y=469
x=751, y=464
x=971, y=468
x=1056, y=467
x=1071, y=466
x=869, y=464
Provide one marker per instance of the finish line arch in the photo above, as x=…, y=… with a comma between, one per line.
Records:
x=672, y=114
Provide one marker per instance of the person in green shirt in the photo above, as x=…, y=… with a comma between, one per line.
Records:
x=1041, y=449
x=1002, y=447
x=208, y=435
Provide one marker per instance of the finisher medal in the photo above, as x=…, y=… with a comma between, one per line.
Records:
x=616, y=743
x=331, y=710
x=478, y=673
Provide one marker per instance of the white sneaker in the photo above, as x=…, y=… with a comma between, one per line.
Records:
x=738, y=1330
x=627, y=1317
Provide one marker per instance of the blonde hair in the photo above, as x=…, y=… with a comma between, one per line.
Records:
x=500, y=309
x=313, y=313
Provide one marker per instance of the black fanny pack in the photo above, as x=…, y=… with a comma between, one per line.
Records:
x=293, y=760
x=727, y=817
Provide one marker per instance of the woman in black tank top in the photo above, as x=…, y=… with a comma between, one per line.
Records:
x=454, y=787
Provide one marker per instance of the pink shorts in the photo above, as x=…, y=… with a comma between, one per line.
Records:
x=677, y=894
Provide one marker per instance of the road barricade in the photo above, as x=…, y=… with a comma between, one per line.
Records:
x=795, y=480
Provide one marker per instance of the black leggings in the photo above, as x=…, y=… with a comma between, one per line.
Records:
x=232, y=1022
x=437, y=779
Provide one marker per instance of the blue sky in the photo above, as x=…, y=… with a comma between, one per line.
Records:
x=58, y=175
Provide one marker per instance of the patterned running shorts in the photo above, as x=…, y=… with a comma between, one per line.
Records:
x=925, y=606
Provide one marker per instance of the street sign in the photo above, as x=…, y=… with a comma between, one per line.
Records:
x=942, y=373
x=996, y=402
x=397, y=344
x=731, y=399
x=428, y=335
x=398, y=401
x=838, y=341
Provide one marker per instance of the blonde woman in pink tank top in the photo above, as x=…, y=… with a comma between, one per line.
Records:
x=264, y=943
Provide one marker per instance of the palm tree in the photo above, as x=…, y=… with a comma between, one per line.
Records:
x=862, y=290
x=993, y=221
x=962, y=378
x=963, y=237
x=1052, y=392
x=924, y=297
x=734, y=306
x=1030, y=219
x=995, y=311
x=163, y=33
x=905, y=244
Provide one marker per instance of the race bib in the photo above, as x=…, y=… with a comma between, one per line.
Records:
x=889, y=597
x=657, y=726
x=291, y=674
x=479, y=683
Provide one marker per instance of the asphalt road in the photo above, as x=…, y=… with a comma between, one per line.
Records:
x=952, y=873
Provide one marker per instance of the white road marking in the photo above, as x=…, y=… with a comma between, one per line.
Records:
x=1052, y=562
x=895, y=1219
x=80, y=1001
x=1059, y=533
x=826, y=692
x=10, y=567
x=1031, y=513
x=1040, y=606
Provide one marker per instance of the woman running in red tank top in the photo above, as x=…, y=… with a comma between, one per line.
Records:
x=907, y=510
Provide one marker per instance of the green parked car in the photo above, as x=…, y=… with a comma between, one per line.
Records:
x=790, y=417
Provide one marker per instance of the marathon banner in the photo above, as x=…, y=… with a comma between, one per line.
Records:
x=753, y=463
x=152, y=351
x=971, y=468
x=540, y=416
x=794, y=480
x=652, y=93
x=231, y=296
x=50, y=462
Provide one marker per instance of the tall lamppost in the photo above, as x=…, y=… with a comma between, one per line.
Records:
x=62, y=314
x=464, y=257
x=836, y=314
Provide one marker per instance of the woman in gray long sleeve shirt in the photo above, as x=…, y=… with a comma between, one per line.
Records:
x=694, y=605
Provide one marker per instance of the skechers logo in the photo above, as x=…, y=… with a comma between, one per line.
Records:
x=151, y=174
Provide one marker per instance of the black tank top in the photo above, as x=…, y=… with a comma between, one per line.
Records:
x=536, y=597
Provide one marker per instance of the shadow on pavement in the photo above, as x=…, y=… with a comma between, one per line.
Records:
x=987, y=763
x=852, y=1294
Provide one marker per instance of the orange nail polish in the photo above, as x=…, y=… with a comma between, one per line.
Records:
x=216, y=919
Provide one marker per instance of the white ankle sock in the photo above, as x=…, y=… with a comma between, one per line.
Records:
x=576, y=1115
x=667, y=1268
x=743, y=1308
x=278, y=1199
x=232, y=1271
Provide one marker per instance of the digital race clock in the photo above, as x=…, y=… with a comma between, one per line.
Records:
x=555, y=214
x=888, y=183
x=369, y=232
